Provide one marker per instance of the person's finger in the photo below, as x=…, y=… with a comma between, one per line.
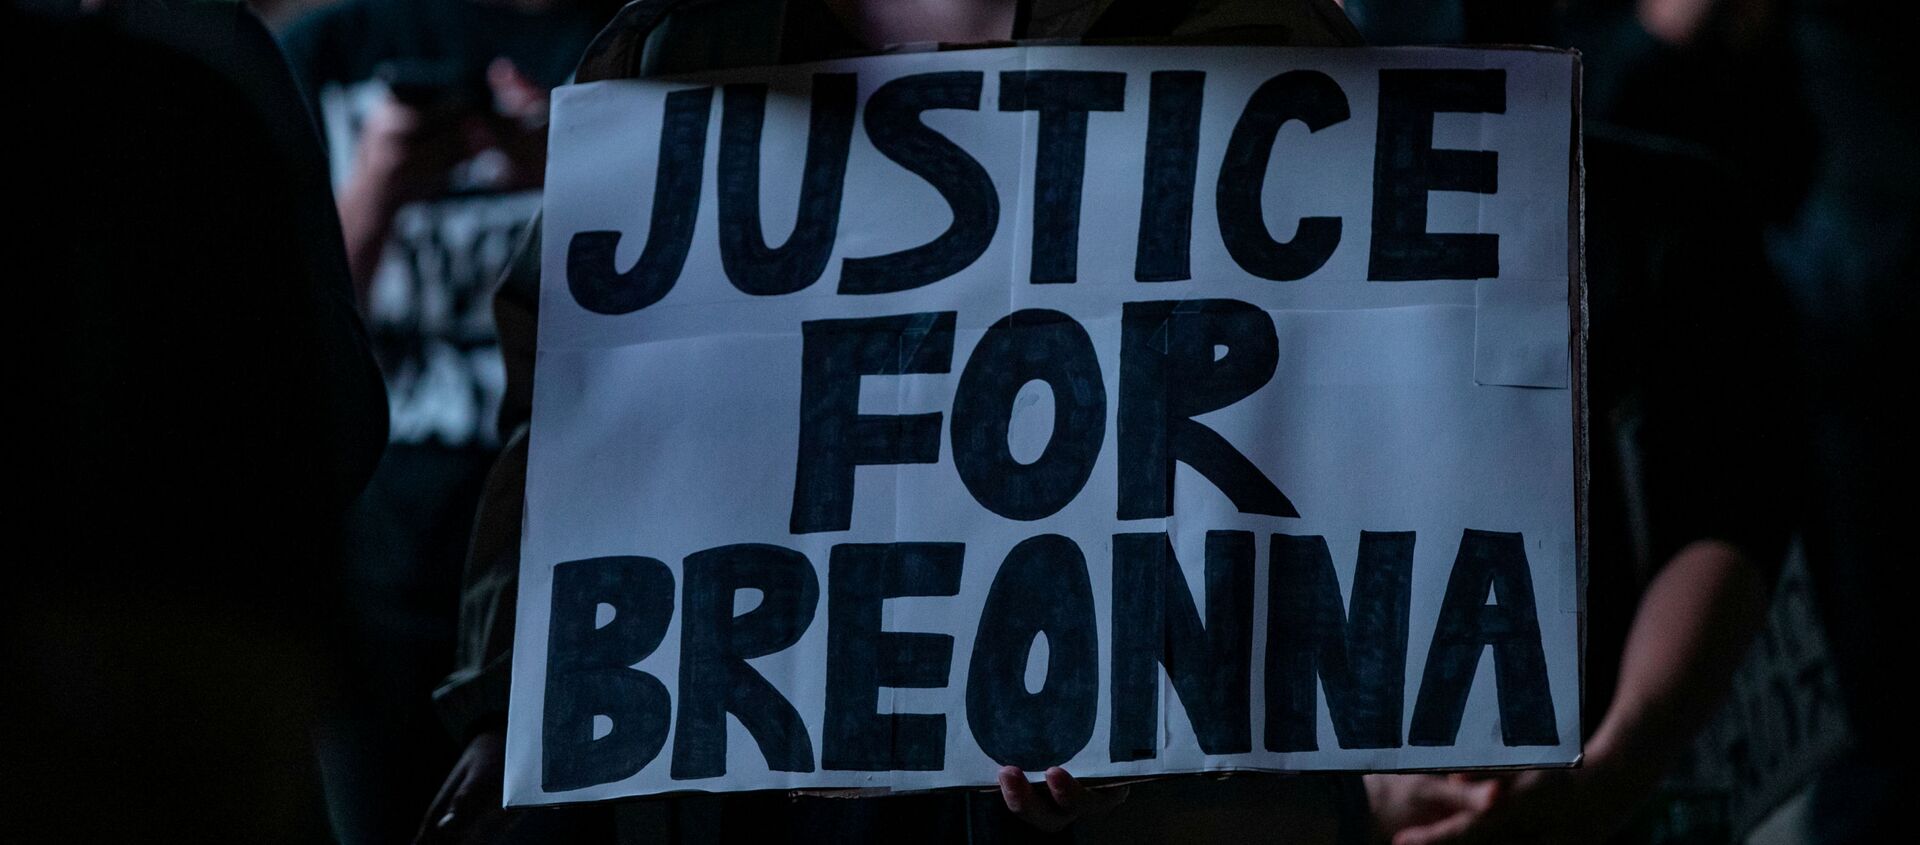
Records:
x=1068, y=793
x=1016, y=792
x=1462, y=794
x=1077, y=798
x=1491, y=791
x=441, y=828
x=1028, y=804
x=1484, y=819
x=1452, y=830
x=440, y=813
x=444, y=796
x=427, y=833
x=513, y=93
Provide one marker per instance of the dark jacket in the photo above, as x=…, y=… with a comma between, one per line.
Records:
x=652, y=37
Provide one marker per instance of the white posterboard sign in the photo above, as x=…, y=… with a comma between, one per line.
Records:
x=1139, y=410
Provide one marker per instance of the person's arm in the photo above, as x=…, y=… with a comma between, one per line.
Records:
x=467, y=807
x=473, y=701
x=405, y=155
x=1693, y=627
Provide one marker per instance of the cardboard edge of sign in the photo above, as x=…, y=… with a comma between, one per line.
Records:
x=1577, y=360
x=851, y=792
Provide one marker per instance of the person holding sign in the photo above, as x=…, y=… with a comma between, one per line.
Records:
x=1689, y=524
x=1689, y=503
x=662, y=38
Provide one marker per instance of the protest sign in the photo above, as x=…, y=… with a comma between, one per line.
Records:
x=1140, y=410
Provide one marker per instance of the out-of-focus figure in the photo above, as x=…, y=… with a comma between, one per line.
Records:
x=1686, y=532
x=1692, y=447
x=199, y=406
x=1850, y=254
x=1803, y=99
x=434, y=113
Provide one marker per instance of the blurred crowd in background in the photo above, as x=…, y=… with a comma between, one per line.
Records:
x=250, y=238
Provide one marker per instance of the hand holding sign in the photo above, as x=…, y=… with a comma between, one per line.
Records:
x=467, y=809
x=1061, y=802
x=1572, y=806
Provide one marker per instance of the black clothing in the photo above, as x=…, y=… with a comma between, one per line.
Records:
x=200, y=408
x=193, y=354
